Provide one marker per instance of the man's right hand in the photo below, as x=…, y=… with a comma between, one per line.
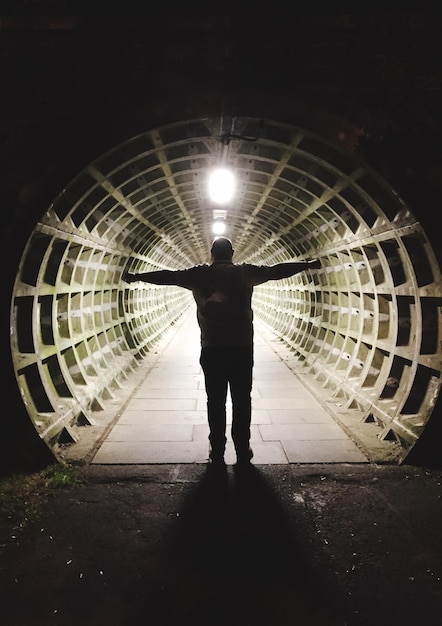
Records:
x=128, y=278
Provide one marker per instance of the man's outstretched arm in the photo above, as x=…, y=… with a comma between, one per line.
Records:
x=284, y=270
x=160, y=277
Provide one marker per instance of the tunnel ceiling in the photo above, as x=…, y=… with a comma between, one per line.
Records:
x=363, y=330
x=332, y=125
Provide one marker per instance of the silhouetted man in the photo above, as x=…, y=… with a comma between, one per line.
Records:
x=223, y=294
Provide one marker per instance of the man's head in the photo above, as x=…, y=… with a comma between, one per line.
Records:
x=222, y=249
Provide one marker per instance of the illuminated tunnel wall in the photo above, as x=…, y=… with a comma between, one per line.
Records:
x=363, y=331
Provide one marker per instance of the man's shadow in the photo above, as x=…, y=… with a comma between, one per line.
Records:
x=236, y=557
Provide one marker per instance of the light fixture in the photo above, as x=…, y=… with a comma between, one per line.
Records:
x=219, y=228
x=221, y=185
x=221, y=182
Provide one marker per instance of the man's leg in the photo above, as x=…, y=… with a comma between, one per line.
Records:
x=240, y=378
x=212, y=361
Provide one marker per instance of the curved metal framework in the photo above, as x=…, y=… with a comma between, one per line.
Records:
x=364, y=331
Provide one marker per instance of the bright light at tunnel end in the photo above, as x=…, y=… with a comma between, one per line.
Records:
x=218, y=228
x=221, y=185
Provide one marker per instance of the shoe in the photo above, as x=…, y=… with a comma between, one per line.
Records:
x=216, y=458
x=244, y=457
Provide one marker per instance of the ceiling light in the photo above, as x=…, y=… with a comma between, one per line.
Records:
x=221, y=185
x=219, y=228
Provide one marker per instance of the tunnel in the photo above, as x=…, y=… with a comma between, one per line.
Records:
x=364, y=329
x=363, y=332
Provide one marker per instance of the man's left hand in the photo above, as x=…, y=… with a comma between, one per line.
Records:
x=314, y=264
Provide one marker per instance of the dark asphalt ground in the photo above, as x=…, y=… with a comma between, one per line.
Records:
x=284, y=545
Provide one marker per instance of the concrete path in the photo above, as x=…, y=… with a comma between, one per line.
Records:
x=281, y=545
x=165, y=420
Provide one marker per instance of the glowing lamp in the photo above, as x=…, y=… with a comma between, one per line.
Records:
x=219, y=228
x=221, y=185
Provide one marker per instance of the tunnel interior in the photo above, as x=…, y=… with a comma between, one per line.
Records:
x=363, y=332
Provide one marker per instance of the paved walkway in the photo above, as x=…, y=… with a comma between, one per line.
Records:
x=165, y=419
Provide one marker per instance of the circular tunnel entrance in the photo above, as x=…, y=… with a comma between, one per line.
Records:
x=363, y=330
